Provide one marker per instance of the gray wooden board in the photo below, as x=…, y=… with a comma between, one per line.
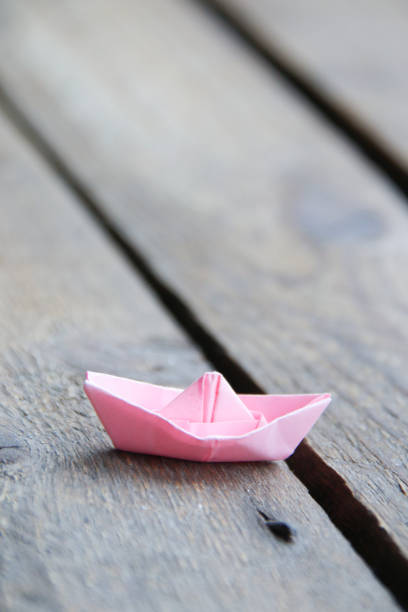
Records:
x=357, y=50
x=84, y=527
x=287, y=246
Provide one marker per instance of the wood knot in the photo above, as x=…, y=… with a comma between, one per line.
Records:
x=328, y=218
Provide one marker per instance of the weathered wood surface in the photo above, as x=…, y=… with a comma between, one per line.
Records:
x=84, y=527
x=358, y=51
x=285, y=244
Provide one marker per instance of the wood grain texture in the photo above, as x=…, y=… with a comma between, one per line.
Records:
x=84, y=527
x=286, y=245
x=357, y=51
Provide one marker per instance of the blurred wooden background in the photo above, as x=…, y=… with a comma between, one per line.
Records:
x=187, y=185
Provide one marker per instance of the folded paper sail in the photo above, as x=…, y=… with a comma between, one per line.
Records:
x=207, y=421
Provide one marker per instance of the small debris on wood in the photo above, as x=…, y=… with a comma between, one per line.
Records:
x=280, y=529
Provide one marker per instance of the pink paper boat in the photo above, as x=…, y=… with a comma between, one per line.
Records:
x=206, y=422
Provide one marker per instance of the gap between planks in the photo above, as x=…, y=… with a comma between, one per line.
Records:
x=356, y=522
x=336, y=114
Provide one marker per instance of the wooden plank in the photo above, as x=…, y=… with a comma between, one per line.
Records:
x=284, y=242
x=88, y=528
x=325, y=229
x=307, y=308
x=357, y=52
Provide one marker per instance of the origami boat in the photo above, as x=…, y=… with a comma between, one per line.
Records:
x=207, y=421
